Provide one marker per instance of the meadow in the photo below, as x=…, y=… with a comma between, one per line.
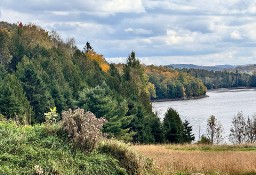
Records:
x=201, y=159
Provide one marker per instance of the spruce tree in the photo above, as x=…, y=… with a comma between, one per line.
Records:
x=13, y=102
x=173, y=127
x=188, y=136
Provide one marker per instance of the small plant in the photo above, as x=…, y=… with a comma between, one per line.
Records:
x=204, y=140
x=51, y=116
x=83, y=128
x=38, y=170
x=2, y=117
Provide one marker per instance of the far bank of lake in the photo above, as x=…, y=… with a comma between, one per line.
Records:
x=223, y=103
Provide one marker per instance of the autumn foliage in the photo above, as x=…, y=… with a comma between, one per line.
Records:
x=92, y=55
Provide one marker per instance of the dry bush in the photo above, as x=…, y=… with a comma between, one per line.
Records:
x=83, y=128
x=173, y=160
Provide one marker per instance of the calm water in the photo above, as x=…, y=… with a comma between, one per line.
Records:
x=224, y=104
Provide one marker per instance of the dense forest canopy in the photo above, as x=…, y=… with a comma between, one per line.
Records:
x=174, y=84
x=39, y=71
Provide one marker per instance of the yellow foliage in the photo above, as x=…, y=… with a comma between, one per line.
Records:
x=162, y=71
x=99, y=59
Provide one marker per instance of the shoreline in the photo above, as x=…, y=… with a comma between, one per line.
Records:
x=202, y=96
x=231, y=88
x=179, y=99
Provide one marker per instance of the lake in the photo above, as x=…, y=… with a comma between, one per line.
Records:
x=223, y=103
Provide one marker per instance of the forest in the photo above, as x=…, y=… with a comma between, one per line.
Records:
x=171, y=84
x=40, y=72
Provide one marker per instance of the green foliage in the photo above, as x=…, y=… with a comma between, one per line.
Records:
x=35, y=89
x=204, y=140
x=98, y=100
x=222, y=79
x=13, y=103
x=188, y=136
x=51, y=116
x=173, y=126
x=31, y=149
x=54, y=73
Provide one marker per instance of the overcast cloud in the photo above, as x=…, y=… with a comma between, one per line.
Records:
x=203, y=32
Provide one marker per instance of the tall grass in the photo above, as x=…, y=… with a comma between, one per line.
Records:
x=133, y=162
x=188, y=159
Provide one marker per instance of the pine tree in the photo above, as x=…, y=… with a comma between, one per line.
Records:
x=13, y=102
x=173, y=127
x=35, y=89
x=188, y=136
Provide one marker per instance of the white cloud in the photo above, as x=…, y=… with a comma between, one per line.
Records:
x=166, y=4
x=121, y=6
x=138, y=31
x=177, y=38
x=235, y=35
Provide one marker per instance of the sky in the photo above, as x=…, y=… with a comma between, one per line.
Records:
x=161, y=32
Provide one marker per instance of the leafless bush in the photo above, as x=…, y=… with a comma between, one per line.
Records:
x=238, y=129
x=214, y=130
x=251, y=129
x=243, y=131
x=83, y=128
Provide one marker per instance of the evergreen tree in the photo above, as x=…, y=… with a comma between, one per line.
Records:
x=188, y=136
x=35, y=89
x=99, y=101
x=13, y=102
x=173, y=127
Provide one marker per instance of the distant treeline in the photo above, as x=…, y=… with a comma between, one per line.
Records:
x=223, y=79
x=173, y=84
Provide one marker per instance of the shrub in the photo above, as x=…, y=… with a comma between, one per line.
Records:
x=83, y=128
x=134, y=163
x=204, y=140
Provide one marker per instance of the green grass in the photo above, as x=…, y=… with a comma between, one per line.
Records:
x=196, y=147
x=29, y=149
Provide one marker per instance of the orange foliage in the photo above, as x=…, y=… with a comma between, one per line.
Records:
x=99, y=59
x=163, y=71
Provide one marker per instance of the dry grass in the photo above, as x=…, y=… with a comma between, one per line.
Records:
x=178, y=159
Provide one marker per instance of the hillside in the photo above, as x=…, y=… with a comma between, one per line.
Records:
x=40, y=71
x=45, y=149
x=171, y=84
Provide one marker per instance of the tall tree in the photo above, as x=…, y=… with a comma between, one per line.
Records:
x=35, y=89
x=214, y=130
x=13, y=102
x=188, y=136
x=238, y=129
x=173, y=126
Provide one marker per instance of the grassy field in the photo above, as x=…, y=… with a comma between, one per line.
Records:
x=204, y=159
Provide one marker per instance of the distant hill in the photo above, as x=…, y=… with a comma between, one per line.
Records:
x=250, y=69
x=209, y=68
